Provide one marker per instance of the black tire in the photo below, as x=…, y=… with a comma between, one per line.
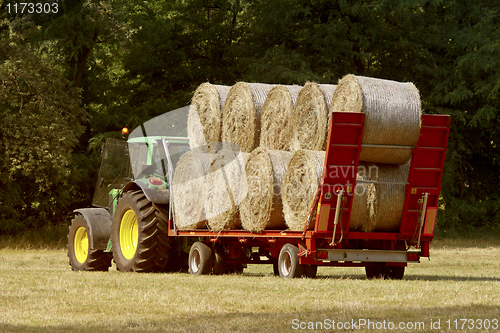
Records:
x=152, y=250
x=288, y=262
x=200, y=259
x=235, y=269
x=276, y=270
x=81, y=256
x=381, y=271
x=310, y=271
x=219, y=260
x=394, y=272
x=375, y=271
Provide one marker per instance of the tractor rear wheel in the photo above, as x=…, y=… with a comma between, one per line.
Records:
x=81, y=256
x=139, y=236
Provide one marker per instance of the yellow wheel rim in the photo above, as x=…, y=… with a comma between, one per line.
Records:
x=129, y=234
x=81, y=245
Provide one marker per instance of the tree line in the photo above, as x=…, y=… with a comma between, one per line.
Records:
x=70, y=80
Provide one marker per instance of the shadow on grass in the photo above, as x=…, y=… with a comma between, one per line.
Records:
x=407, y=277
x=420, y=318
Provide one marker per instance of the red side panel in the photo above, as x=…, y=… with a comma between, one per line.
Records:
x=339, y=173
x=426, y=171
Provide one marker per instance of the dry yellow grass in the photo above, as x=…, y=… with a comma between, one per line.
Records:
x=39, y=293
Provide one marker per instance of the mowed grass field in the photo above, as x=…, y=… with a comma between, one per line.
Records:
x=40, y=293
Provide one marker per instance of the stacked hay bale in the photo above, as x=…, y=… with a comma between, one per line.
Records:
x=392, y=115
x=205, y=114
x=300, y=185
x=390, y=197
x=262, y=207
x=275, y=128
x=225, y=188
x=363, y=211
x=310, y=117
x=188, y=186
x=274, y=189
x=242, y=111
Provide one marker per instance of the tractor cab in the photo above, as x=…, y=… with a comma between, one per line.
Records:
x=142, y=160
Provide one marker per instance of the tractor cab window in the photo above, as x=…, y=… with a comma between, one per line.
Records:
x=139, y=158
x=114, y=173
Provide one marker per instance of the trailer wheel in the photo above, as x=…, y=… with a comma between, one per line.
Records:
x=200, y=259
x=139, y=237
x=310, y=271
x=81, y=256
x=219, y=261
x=380, y=270
x=375, y=271
x=276, y=270
x=288, y=262
x=394, y=272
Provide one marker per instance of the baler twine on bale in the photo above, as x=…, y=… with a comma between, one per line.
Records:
x=225, y=188
x=364, y=200
x=390, y=198
x=262, y=207
x=205, y=114
x=241, y=116
x=310, y=117
x=275, y=128
x=188, y=187
x=392, y=115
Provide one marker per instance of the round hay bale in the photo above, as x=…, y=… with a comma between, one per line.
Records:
x=392, y=115
x=188, y=187
x=241, y=116
x=309, y=120
x=300, y=185
x=205, y=114
x=363, y=205
x=390, y=198
x=225, y=188
x=262, y=207
x=275, y=127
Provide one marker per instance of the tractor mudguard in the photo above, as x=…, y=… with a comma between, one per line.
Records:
x=155, y=196
x=99, y=223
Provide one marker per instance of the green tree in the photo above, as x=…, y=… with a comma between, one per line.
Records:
x=42, y=120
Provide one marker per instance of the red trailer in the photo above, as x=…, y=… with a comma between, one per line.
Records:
x=135, y=220
x=331, y=243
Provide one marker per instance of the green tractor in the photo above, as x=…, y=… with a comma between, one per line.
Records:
x=129, y=222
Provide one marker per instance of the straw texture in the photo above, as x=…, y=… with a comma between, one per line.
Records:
x=225, y=188
x=241, y=116
x=188, y=186
x=300, y=185
x=262, y=208
x=364, y=200
x=276, y=129
x=205, y=114
x=390, y=198
x=392, y=115
x=310, y=117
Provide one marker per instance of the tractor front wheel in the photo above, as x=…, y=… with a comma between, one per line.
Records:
x=81, y=256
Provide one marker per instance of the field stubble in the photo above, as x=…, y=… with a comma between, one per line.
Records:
x=40, y=293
